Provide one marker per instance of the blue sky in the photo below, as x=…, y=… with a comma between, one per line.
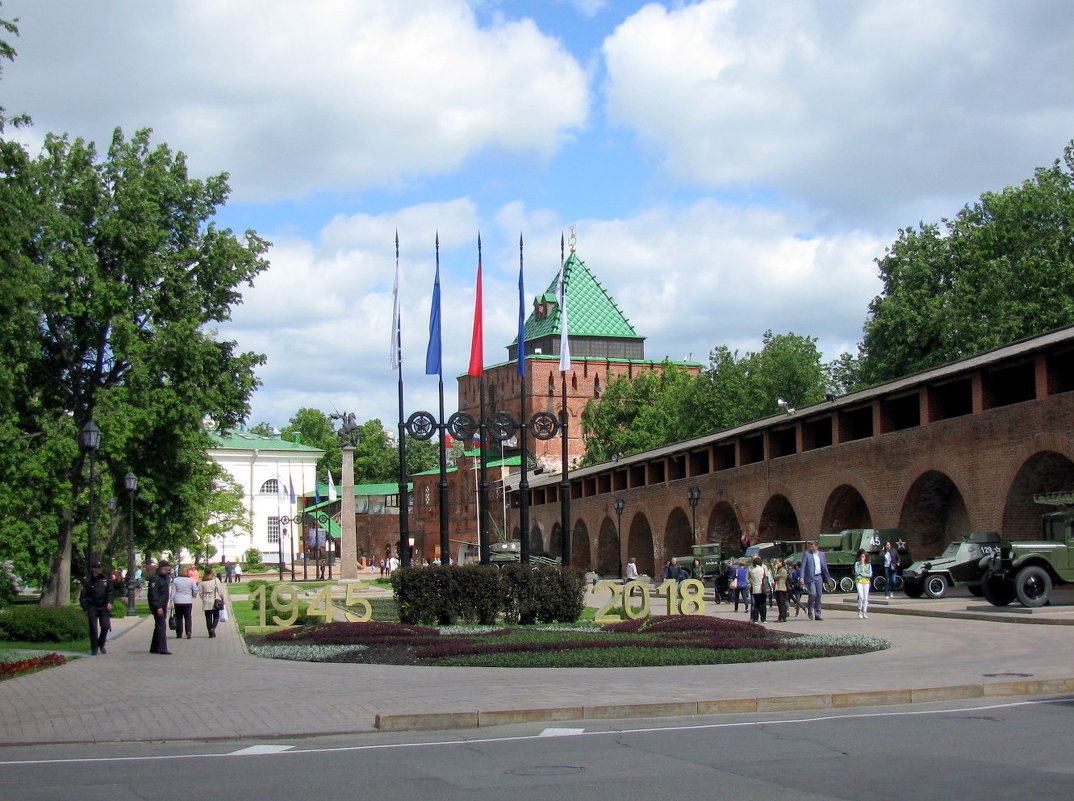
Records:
x=730, y=166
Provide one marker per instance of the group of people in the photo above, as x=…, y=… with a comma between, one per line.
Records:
x=179, y=594
x=759, y=585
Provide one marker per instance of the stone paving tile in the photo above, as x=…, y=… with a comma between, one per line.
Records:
x=136, y=693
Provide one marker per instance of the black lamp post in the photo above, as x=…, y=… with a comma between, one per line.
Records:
x=89, y=439
x=620, y=505
x=130, y=481
x=693, y=495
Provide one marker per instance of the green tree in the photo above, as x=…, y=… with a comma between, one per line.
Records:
x=314, y=428
x=224, y=513
x=123, y=275
x=1002, y=269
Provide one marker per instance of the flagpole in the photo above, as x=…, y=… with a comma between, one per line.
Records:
x=524, y=481
x=445, y=542
x=404, y=494
x=564, y=416
x=483, y=483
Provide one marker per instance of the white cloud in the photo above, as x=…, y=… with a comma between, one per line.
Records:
x=291, y=99
x=897, y=111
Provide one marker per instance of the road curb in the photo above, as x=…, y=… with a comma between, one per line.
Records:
x=785, y=703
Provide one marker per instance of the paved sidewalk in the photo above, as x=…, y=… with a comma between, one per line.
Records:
x=130, y=694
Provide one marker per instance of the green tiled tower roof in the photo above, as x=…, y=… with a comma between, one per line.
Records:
x=591, y=311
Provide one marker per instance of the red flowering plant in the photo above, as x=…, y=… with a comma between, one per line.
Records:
x=9, y=669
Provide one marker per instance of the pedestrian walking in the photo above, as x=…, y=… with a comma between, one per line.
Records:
x=631, y=570
x=183, y=591
x=211, y=595
x=237, y=574
x=229, y=572
x=814, y=574
x=863, y=576
x=758, y=583
x=159, y=595
x=891, y=568
x=96, y=600
x=795, y=588
x=781, y=577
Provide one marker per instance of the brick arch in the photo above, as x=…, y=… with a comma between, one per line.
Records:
x=1046, y=471
x=845, y=508
x=608, y=549
x=1039, y=443
x=581, y=555
x=537, y=538
x=724, y=526
x=555, y=542
x=778, y=521
x=640, y=544
x=678, y=536
x=933, y=513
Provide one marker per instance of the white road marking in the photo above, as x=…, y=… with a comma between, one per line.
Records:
x=255, y=750
x=560, y=732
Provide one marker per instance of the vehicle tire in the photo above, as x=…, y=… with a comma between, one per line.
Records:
x=1032, y=586
x=879, y=583
x=937, y=585
x=897, y=583
x=975, y=590
x=997, y=591
x=913, y=589
x=846, y=584
x=830, y=585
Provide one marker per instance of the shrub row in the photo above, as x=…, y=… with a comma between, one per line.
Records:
x=29, y=623
x=481, y=594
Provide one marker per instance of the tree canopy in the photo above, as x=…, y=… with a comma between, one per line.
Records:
x=119, y=275
x=1001, y=270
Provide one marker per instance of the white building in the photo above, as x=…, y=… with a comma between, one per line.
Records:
x=273, y=474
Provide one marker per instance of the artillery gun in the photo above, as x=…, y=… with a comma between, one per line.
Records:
x=842, y=549
x=509, y=552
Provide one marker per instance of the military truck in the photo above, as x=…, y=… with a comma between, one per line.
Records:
x=958, y=566
x=509, y=552
x=841, y=551
x=711, y=556
x=1027, y=571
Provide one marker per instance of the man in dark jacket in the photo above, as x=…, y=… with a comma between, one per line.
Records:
x=96, y=599
x=158, y=596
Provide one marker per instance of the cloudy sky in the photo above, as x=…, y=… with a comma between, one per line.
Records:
x=729, y=165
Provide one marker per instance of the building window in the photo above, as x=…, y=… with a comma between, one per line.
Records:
x=391, y=500
x=274, y=529
x=270, y=487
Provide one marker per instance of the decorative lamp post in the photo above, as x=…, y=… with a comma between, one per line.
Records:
x=693, y=495
x=130, y=481
x=620, y=505
x=89, y=439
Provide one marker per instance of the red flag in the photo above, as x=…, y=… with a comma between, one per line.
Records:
x=476, y=355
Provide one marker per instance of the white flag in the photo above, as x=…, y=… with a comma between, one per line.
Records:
x=331, y=487
x=395, y=355
x=564, y=342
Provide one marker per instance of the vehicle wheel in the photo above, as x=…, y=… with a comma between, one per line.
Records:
x=997, y=591
x=897, y=583
x=830, y=585
x=1032, y=585
x=913, y=589
x=936, y=585
x=846, y=584
x=975, y=590
x=879, y=583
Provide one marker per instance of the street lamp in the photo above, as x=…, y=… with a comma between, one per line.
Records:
x=89, y=439
x=130, y=481
x=693, y=495
x=620, y=505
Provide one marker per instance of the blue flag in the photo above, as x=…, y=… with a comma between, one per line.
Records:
x=521, y=315
x=433, y=363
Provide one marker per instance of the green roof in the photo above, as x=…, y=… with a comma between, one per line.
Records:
x=510, y=461
x=245, y=441
x=591, y=312
x=360, y=489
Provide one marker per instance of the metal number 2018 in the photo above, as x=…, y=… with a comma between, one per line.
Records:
x=691, y=591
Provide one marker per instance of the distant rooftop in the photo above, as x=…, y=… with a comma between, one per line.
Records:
x=246, y=441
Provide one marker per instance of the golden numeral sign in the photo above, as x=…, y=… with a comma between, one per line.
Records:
x=284, y=600
x=687, y=598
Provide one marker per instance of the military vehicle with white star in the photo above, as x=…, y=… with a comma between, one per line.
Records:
x=841, y=551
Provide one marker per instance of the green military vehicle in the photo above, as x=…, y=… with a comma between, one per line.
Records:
x=509, y=552
x=841, y=551
x=1027, y=571
x=711, y=556
x=780, y=549
x=958, y=566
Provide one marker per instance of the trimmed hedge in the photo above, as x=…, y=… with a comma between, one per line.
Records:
x=28, y=623
x=481, y=594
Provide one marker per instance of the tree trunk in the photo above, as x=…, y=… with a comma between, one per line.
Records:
x=57, y=587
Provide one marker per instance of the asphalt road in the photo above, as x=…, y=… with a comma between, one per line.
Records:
x=984, y=752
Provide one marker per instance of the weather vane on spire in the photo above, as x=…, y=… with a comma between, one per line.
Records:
x=573, y=240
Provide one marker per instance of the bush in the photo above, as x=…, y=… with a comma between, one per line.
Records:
x=119, y=607
x=29, y=623
x=251, y=560
x=481, y=594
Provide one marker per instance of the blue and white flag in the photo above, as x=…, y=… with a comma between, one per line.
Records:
x=331, y=487
x=433, y=363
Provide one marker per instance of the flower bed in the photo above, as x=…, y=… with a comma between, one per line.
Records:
x=27, y=664
x=675, y=640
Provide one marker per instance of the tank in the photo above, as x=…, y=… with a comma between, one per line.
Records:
x=509, y=552
x=960, y=565
x=842, y=549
